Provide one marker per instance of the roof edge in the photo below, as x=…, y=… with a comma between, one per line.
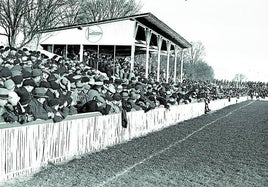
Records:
x=95, y=22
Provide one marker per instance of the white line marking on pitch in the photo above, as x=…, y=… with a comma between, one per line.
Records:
x=171, y=145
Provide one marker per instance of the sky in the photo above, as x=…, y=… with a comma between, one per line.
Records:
x=234, y=32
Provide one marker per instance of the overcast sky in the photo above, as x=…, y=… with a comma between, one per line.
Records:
x=234, y=32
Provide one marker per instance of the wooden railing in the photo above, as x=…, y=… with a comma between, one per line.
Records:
x=24, y=149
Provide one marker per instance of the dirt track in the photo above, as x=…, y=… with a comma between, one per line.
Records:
x=225, y=148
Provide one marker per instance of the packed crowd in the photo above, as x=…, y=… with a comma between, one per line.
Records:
x=33, y=86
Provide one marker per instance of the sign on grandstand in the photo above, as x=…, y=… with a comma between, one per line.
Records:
x=94, y=33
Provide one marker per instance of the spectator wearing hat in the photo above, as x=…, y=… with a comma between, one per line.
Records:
x=119, y=88
x=138, y=88
x=95, y=92
x=9, y=100
x=171, y=101
x=116, y=103
x=74, y=95
x=24, y=95
x=108, y=91
x=36, y=105
x=124, y=95
x=161, y=102
x=133, y=99
x=63, y=106
x=5, y=73
x=44, y=84
x=37, y=75
x=65, y=83
x=103, y=107
x=53, y=90
x=29, y=84
x=90, y=106
x=83, y=95
x=13, y=96
x=146, y=103
x=22, y=106
x=18, y=80
x=126, y=105
x=15, y=73
x=45, y=74
x=4, y=96
x=9, y=114
x=26, y=73
x=53, y=105
x=68, y=103
x=9, y=84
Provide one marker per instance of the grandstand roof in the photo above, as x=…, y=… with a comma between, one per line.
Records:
x=146, y=19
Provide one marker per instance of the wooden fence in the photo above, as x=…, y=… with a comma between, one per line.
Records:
x=24, y=149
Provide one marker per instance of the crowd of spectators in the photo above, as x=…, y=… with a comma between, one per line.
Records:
x=33, y=86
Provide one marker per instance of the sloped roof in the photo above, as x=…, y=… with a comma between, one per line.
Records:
x=147, y=19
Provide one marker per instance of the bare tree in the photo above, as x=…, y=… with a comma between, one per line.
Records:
x=239, y=77
x=195, y=53
x=96, y=10
x=195, y=66
x=69, y=14
x=11, y=15
x=22, y=19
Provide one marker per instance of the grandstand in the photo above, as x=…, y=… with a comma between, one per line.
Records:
x=124, y=36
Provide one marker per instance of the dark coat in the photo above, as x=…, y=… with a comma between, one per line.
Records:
x=91, y=106
x=37, y=110
x=124, y=118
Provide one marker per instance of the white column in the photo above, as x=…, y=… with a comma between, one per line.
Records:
x=159, y=44
x=168, y=57
x=81, y=52
x=98, y=56
x=175, y=62
x=148, y=34
x=66, y=51
x=181, y=66
x=132, y=57
x=114, y=59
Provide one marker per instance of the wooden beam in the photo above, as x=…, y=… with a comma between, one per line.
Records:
x=168, y=57
x=176, y=50
x=181, y=66
x=159, y=45
x=148, y=34
x=81, y=52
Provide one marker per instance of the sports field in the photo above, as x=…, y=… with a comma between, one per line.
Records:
x=228, y=147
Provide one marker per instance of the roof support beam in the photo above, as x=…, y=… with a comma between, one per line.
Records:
x=81, y=52
x=98, y=56
x=168, y=57
x=114, y=59
x=159, y=44
x=181, y=79
x=148, y=35
x=132, y=56
x=66, y=51
x=176, y=50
